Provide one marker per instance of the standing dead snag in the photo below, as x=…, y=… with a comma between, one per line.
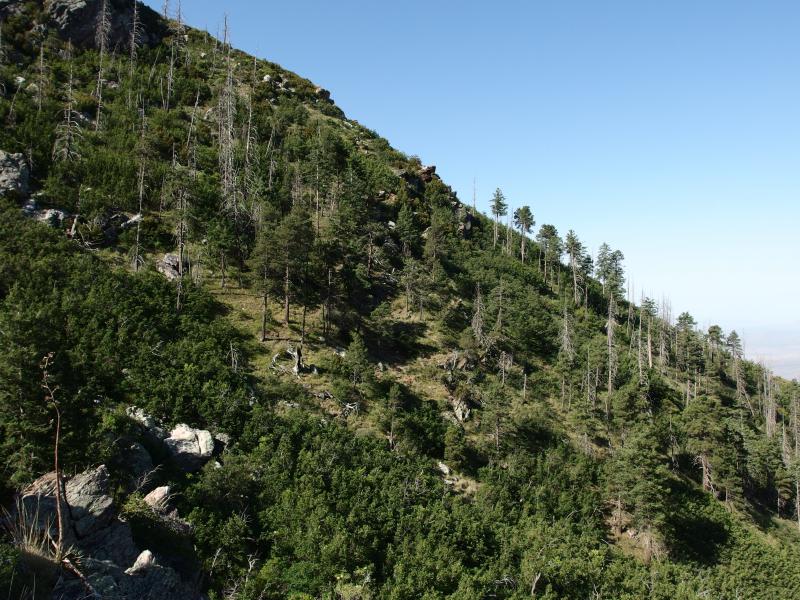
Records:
x=102, y=34
x=50, y=398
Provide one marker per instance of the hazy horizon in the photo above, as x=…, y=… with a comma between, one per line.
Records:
x=668, y=131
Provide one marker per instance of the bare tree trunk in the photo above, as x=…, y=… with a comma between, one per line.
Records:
x=264, y=315
x=286, y=297
x=59, y=490
x=303, y=326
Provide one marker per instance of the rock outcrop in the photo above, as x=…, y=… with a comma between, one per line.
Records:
x=169, y=266
x=190, y=448
x=76, y=20
x=158, y=498
x=90, y=519
x=104, y=542
x=14, y=174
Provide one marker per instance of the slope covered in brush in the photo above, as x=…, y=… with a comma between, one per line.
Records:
x=408, y=399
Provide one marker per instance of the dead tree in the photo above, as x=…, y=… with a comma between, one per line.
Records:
x=102, y=34
x=68, y=132
x=50, y=398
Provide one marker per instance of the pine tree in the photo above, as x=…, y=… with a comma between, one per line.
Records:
x=638, y=481
x=523, y=220
x=551, y=248
x=499, y=209
x=575, y=250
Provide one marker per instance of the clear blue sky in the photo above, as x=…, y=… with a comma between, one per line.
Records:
x=671, y=130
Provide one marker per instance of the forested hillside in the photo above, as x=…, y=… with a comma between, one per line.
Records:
x=309, y=370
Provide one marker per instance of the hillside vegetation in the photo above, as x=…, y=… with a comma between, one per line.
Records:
x=410, y=399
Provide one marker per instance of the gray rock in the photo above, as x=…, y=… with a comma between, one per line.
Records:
x=190, y=448
x=76, y=20
x=144, y=561
x=324, y=95
x=52, y=216
x=137, y=459
x=90, y=506
x=150, y=424
x=223, y=438
x=30, y=207
x=103, y=542
x=168, y=266
x=14, y=174
x=461, y=409
x=158, y=498
x=89, y=515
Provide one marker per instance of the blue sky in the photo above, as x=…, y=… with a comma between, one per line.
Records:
x=671, y=130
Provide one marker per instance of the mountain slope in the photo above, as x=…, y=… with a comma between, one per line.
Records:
x=387, y=394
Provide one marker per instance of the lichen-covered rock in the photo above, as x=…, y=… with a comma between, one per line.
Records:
x=14, y=174
x=190, y=448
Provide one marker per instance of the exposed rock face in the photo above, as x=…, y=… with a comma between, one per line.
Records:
x=137, y=459
x=169, y=266
x=324, y=95
x=461, y=409
x=13, y=174
x=150, y=424
x=190, y=448
x=427, y=173
x=76, y=20
x=90, y=506
x=105, y=542
x=89, y=515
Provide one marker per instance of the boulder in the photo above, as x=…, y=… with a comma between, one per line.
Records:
x=90, y=506
x=323, y=95
x=190, y=448
x=427, y=173
x=137, y=459
x=144, y=561
x=148, y=423
x=168, y=266
x=461, y=409
x=52, y=216
x=158, y=498
x=89, y=516
x=14, y=174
